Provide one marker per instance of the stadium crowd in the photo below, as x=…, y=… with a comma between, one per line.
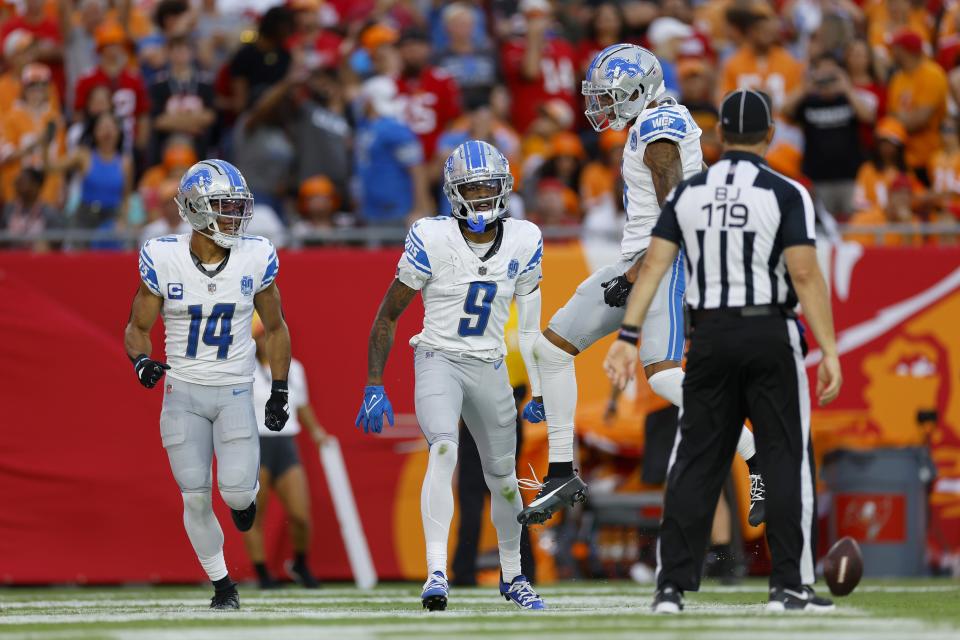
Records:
x=341, y=113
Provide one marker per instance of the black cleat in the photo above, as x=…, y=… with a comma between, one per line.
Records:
x=301, y=575
x=555, y=494
x=798, y=599
x=244, y=518
x=667, y=599
x=225, y=600
x=758, y=510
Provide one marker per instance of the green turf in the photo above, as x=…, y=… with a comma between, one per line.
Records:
x=878, y=610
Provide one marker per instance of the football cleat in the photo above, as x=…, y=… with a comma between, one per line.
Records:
x=520, y=592
x=244, y=518
x=554, y=494
x=667, y=599
x=758, y=511
x=225, y=600
x=301, y=575
x=435, y=592
x=799, y=599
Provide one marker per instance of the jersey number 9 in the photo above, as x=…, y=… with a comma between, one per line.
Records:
x=480, y=297
x=221, y=314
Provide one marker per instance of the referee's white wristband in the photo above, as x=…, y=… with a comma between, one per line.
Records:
x=629, y=333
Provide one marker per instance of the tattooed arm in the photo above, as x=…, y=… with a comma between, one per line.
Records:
x=663, y=159
x=397, y=299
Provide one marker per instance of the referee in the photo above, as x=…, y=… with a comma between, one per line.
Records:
x=748, y=236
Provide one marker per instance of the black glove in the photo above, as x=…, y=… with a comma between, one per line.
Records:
x=149, y=371
x=616, y=291
x=278, y=410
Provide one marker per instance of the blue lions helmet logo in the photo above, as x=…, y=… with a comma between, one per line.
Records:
x=617, y=67
x=198, y=180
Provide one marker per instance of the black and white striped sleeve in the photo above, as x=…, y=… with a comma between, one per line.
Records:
x=796, y=215
x=667, y=226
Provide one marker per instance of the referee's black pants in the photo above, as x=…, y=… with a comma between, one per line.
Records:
x=737, y=368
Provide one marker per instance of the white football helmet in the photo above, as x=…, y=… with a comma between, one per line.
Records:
x=478, y=164
x=621, y=81
x=214, y=198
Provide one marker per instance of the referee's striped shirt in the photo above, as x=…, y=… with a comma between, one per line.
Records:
x=733, y=222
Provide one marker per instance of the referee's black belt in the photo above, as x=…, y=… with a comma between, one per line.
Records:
x=751, y=311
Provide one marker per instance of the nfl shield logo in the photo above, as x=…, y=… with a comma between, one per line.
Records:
x=513, y=269
x=212, y=287
x=483, y=271
x=246, y=285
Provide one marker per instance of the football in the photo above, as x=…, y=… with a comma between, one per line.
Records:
x=843, y=566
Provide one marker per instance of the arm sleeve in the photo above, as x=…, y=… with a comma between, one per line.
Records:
x=532, y=273
x=667, y=226
x=148, y=270
x=797, y=218
x=414, y=268
x=272, y=267
x=528, y=313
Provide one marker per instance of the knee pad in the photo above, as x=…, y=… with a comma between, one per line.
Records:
x=668, y=384
x=500, y=467
x=197, y=503
x=549, y=354
x=238, y=500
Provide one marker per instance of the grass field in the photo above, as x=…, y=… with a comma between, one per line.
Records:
x=878, y=610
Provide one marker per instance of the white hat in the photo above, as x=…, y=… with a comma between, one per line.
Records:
x=665, y=29
x=380, y=92
x=538, y=6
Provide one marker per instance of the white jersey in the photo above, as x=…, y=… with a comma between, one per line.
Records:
x=467, y=298
x=297, y=397
x=207, y=318
x=671, y=122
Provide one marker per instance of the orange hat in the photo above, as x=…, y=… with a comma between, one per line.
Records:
x=179, y=155
x=566, y=144
x=891, y=129
x=378, y=35
x=110, y=33
x=690, y=67
x=34, y=72
x=611, y=138
x=318, y=186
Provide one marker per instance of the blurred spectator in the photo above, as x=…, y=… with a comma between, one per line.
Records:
x=317, y=46
x=944, y=171
x=26, y=216
x=321, y=133
x=898, y=210
x=760, y=62
x=129, y=95
x=829, y=110
x=173, y=18
x=18, y=51
x=539, y=66
x=377, y=55
x=165, y=215
x=264, y=62
x=473, y=70
x=696, y=94
x=47, y=39
x=605, y=29
x=442, y=37
x=80, y=47
x=391, y=178
x=884, y=167
x=99, y=100
x=563, y=165
x=430, y=95
x=917, y=97
x=666, y=36
x=151, y=57
x=554, y=204
x=886, y=18
x=265, y=222
x=598, y=177
x=866, y=82
x=318, y=206
x=32, y=129
x=218, y=33
x=177, y=158
x=553, y=116
x=181, y=100
x=106, y=176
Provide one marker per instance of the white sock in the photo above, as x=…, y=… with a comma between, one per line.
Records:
x=205, y=533
x=668, y=384
x=436, y=503
x=558, y=379
x=505, y=505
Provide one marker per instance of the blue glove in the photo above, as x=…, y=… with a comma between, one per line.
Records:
x=375, y=404
x=534, y=412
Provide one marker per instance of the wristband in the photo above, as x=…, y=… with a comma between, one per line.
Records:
x=629, y=333
x=278, y=385
x=140, y=358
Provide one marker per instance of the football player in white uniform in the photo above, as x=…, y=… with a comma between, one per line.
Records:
x=468, y=268
x=206, y=285
x=623, y=85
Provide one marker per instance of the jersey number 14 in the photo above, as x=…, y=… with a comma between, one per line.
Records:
x=221, y=316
